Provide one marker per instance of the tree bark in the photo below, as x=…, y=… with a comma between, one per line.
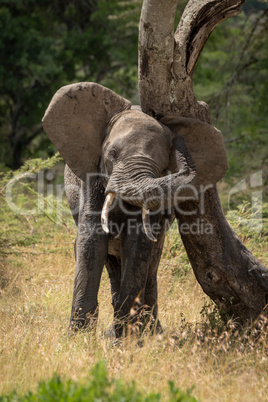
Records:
x=156, y=48
x=226, y=270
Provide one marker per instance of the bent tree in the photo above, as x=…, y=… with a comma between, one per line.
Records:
x=226, y=270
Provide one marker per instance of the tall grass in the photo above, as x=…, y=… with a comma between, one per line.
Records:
x=37, y=269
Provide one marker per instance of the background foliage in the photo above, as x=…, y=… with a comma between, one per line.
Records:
x=46, y=44
x=232, y=77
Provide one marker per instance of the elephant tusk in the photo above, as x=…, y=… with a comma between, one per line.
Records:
x=147, y=225
x=105, y=211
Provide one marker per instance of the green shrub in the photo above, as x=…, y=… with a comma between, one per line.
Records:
x=248, y=223
x=27, y=205
x=98, y=388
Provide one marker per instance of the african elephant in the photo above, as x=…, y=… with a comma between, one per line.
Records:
x=120, y=165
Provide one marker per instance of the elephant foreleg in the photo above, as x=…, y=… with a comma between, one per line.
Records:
x=113, y=265
x=91, y=253
x=151, y=290
x=135, y=253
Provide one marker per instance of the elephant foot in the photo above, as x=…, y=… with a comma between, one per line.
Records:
x=109, y=333
x=134, y=328
x=83, y=321
x=141, y=318
x=120, y=329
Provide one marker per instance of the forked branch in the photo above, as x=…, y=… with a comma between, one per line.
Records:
x=167, y=60
x=196, y=24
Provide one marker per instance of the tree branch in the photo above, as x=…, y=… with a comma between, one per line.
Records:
x=156, y=49
x=165, y=67
x=196, y=24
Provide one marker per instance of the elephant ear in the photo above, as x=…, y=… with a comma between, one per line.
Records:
x=76, y=121
x=206, y=147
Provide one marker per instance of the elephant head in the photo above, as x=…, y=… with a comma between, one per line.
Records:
x=95, y=130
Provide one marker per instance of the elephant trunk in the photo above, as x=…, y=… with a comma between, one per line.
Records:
x=149, y=192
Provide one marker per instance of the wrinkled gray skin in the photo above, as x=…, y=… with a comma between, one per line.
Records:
x=111, y=149
x=136, y=154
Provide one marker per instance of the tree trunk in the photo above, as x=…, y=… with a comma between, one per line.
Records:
x=226, y=270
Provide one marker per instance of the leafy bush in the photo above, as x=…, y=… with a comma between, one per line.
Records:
x=248, y=223
x=99, y=388
x=26, y=204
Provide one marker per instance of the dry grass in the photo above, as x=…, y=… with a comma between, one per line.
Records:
x=35, y=307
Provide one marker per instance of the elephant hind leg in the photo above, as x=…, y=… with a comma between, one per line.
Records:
x=72, y=185
x=91, y=253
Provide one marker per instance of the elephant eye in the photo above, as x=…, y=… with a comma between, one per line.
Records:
x=113, y=154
